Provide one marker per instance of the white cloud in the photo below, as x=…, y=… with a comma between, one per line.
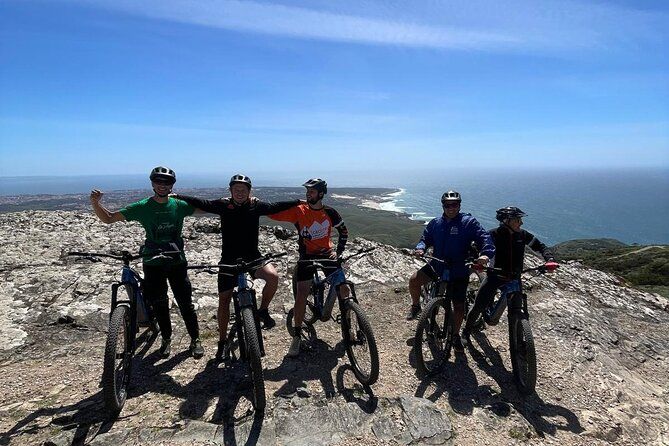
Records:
x=518, y=25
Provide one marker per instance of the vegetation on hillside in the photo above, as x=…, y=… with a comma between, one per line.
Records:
x=646, y=267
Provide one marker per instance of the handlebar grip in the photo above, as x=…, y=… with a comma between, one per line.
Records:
x=551, y=266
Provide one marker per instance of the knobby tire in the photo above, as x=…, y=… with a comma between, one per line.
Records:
x=115, y=377
x=364, y=337
x=253, y=359
x=523, y=355
x=434, y=336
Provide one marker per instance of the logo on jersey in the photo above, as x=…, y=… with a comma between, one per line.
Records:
x=454, y=230
x=316, y=230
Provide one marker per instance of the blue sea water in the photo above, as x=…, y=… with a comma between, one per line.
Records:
x=629, y=205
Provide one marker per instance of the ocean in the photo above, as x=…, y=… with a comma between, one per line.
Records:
x=629, y=205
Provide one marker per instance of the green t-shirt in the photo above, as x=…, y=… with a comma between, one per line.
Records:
x=162, y=222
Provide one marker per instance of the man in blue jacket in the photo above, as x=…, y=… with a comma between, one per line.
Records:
x=450, y=236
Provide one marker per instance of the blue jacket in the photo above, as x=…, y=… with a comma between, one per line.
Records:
x=451, y=241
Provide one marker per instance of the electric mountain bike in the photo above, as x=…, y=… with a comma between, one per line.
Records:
x=356, y=330
x=129, y=311
x=435, y=331
x=521, y=340
x=245, y=325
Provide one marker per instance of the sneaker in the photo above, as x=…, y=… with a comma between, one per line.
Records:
x=457, y=344
x=414, y=312
x=165, y=347
x=265, y=318
x=196, y=348
x=294, y=349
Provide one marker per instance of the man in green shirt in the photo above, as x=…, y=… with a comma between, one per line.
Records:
x=162, y=218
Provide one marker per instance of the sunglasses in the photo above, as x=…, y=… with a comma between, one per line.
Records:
x=163, y=183
x=450, y=205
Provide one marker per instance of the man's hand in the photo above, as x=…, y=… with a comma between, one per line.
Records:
x=96, y=196
x=333, y=255
x=419, y=252
x=483, y=261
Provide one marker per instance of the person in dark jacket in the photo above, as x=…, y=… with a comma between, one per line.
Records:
x=240, y=220
x=510, y=241
x=450, y=236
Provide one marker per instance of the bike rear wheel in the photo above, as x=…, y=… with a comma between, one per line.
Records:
x=116, y=369
x=434, y=336
x=523, y=355
x=360, y=343
x=252, y=346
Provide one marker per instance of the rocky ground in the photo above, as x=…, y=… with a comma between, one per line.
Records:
x=602, y=350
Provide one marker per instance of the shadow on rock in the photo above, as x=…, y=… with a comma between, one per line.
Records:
x=361, y=395
x=84, y=420
x=316, y=363
x=457, y=380
x=539, y=414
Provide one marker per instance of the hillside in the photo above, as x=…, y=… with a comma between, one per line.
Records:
x=646, y=267
x=603, y=354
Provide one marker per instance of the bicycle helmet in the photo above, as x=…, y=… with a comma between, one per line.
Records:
x=451, y=195
x=318, y=184
x=509, y=212
x=240, y=179
x=163, y=174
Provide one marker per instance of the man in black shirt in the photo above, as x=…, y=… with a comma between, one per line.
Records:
x=240, y=220
x=510, y=241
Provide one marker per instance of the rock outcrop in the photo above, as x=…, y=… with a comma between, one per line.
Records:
x=603, y=352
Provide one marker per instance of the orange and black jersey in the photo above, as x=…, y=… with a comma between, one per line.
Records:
x=239, y=222
x=314, y=227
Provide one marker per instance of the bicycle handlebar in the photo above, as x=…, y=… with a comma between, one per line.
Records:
x=337, y=261
x=93, y=256
x=241, y=266
x=547, y=267
x=124, y=256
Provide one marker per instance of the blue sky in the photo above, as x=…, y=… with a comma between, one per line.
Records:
x=206, y=86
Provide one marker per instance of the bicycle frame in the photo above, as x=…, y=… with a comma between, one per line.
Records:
x=335, y=280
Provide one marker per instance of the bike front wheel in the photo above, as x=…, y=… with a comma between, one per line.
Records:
x=252, y=346
x=310, y=316
x=360, y=343
x=434, y=336
x=523, y=355
x=116, y=369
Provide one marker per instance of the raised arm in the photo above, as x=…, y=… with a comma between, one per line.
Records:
x=102, y=212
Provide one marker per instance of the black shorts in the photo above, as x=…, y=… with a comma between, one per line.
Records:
x=305, y=271
x=456, y=289
x=226, y=282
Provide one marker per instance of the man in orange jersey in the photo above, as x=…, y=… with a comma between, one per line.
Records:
x=314, y=222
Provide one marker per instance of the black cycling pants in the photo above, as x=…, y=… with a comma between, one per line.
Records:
x=155, y=290
x=484, y=298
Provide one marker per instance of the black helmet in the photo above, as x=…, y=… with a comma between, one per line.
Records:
x=318, y=184
x=509, y=212
x=451, y=195
x=164, y=174
x=241, y=179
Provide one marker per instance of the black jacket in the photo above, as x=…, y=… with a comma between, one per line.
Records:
x=510, y=249
x=239, y=223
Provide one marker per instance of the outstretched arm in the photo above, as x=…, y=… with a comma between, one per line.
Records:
x=267, y=207
x=102, y=212
x=201, y=205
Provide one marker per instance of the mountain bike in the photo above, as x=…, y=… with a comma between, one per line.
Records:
x=245, y=325
x=435, y=331
x=521, y=340
x=356, y=330
x=129, y=311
